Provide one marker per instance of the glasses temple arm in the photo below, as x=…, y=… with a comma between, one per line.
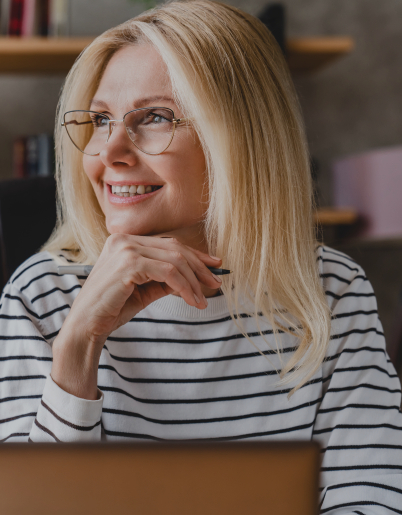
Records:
x=74, y=122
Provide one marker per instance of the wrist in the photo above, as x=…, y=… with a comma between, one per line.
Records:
x=75, y=362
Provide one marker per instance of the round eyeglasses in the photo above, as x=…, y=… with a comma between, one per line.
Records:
x=151, y=129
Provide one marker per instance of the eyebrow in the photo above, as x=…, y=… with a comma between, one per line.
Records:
x=142, y=102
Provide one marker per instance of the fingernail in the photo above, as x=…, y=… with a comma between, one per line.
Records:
x=214, y=257
x=205, y=300
x=216, y=278
x=197, y=300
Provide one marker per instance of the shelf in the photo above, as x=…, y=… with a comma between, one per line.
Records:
x=40, y=55
x=335, y=216
x=57, y=55
x=306, y=55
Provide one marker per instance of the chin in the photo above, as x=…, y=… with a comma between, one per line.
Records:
x=127, y=228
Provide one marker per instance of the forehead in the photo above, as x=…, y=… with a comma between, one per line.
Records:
x=133, y=73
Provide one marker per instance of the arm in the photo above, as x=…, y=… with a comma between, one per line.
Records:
x=48, y=383
x=32, y=406
x=359, y=422
x=131, y=273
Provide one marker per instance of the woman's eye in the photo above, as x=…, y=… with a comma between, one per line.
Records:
x=99, y=121
x=155, y=118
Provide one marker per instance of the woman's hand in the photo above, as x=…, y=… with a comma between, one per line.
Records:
x=131, y=273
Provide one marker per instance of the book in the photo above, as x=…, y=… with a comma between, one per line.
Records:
x=42, y=17
x=59, y=18
x=4, y=16
x=45, y=155
x=19, y=157
x=33, y=156
x=29, y=18
x=15, y=17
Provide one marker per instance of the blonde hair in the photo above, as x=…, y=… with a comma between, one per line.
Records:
x=229, y=77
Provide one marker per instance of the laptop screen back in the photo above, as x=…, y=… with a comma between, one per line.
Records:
x=168, y=479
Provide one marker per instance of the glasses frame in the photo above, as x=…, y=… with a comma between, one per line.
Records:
x=176, y=121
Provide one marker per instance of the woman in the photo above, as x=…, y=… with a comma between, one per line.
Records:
x=179, y=138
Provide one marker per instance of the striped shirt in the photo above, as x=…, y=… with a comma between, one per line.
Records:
x=175, y=372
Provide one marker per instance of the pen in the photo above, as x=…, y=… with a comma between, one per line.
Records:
x=86, y=270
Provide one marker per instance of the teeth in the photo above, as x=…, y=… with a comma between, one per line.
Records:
x=130, y=191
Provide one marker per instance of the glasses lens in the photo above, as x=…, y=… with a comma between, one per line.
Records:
x=87, y=130
x=150, y=129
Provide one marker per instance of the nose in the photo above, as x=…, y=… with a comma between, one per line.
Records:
x=112, y=124
x=118, y=148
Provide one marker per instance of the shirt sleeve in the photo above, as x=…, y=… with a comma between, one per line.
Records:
x=32, y=406
x=359, y=422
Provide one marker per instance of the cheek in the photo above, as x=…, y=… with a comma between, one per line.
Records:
x=194, y=182
x=93, y=170
x=92, y=167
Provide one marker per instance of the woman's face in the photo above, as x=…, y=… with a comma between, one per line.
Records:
x=137, y=77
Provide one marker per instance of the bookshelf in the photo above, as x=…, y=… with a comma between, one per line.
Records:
x=335, y=216
x=39, y=55
x=56, y=55
x=307, y=55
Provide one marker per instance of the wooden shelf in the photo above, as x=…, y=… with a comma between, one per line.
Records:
x=335, y=216
x=306, y=55
x=40, y=55
x=57, y=55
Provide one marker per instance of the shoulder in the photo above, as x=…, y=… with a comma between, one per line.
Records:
x=41, y=263
x=355, y=326
x=38, y=276
x=332, y=261
x=343, y=279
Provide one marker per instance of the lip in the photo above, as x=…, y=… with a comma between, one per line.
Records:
x=115, y=199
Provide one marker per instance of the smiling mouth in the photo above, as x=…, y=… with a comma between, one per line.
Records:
x=132, y=190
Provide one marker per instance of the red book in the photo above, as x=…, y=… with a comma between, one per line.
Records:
x=19, y=158
x=16, y=14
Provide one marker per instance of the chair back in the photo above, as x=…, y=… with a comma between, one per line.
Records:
x=27, y=218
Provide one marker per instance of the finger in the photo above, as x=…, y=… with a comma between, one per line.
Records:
x=212, y=261
x=196, y=264
x=184, y=267
x=195, y=258
x=198, y=259
x=166, y=272
x=165, y=242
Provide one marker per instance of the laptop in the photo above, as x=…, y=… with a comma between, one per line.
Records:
x=270, y=478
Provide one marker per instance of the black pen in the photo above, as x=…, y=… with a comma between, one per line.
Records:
x=85, y=270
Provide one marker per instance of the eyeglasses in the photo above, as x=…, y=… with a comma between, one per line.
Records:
x=151, y=129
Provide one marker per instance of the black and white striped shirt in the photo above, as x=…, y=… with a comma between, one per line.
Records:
x=176, y=372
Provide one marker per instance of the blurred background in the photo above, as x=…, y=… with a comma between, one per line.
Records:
x=346, y=61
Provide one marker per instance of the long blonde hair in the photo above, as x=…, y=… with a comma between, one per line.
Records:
x=229, y=77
